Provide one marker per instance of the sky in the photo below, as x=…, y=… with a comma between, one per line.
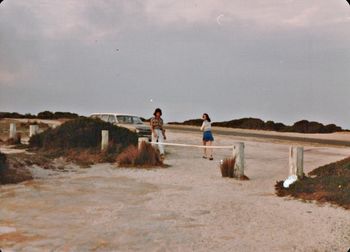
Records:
x=281, y=60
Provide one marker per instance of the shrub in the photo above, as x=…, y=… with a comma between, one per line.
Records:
x=13, y=171
x=3, y=161
x=41, y=115
x=227, y=167
x=82, y=133
x=192, y=122
x=109, y=154
x=128, y=156
x=305, y=126
x=328, y=183
x=16, y=140
x=14, y=115
x=67, y=115
x=147, y=156
x=302, y=126
x=46, y=115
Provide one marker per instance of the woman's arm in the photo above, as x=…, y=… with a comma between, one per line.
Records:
x=203, y=125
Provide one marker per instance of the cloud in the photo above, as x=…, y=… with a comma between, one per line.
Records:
x=262, y=13
x=95, y=19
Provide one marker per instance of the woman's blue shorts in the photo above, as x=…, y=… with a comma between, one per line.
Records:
x=208, y=136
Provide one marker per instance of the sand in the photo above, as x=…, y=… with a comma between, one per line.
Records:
x=187, y=207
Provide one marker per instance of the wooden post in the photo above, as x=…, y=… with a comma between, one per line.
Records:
x=296, y=161
x=141, y=140
x=104, y=139
x=33, y=130
x=239, y=155
x=13, y=133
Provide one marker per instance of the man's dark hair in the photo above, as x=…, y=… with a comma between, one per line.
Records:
x=158, y=110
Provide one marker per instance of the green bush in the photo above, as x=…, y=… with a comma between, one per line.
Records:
x=82, y=133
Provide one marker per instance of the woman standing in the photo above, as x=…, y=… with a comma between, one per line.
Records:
x=158, y=132
x=207, y=136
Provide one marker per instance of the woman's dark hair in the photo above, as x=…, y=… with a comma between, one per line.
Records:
x=207, y=117
x=158, y=110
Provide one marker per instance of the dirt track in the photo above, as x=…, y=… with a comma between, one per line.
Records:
x=187, y=207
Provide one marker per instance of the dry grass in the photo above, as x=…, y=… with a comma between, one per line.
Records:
x=147, y=156
x=12, y=172
x=227, y=167
x=15, y=141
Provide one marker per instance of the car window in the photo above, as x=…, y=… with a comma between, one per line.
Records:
x=125, y=119
x=120, y=119
x=104, y=118
x=137, y=120
x=111, y=119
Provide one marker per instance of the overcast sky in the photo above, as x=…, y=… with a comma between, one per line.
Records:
x=281, y=60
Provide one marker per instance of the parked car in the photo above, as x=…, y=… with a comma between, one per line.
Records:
x=131, y=122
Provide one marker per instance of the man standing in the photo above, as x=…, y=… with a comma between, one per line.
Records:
x=158, y=132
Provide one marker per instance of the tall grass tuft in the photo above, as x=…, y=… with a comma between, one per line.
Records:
x=146, y=156
x=227, y=167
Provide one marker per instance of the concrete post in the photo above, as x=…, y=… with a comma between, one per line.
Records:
x=141, y=140
x=296, y=161
x=13, y=133
x=239, y=154
x=104, y=139
x=33, y=130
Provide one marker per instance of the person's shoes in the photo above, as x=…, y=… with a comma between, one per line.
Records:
x=211, y=158
x=204, y=157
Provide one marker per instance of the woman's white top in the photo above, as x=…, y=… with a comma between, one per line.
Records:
x=206, y=126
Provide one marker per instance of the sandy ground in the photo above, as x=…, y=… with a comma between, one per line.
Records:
x=187, y=207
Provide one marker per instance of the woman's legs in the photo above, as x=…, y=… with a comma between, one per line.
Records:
x=209, y=143
x=204, y=149
x=160, y=140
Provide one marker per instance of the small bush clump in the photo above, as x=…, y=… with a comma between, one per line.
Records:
x=146, y=156
x=328, y=183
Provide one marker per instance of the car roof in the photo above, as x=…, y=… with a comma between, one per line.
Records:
x=115, y=114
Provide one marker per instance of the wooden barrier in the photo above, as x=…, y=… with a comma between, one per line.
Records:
x=33, y=130
x=104, y=139
x=238, y=153
x=13, y=131
x=296, y=161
